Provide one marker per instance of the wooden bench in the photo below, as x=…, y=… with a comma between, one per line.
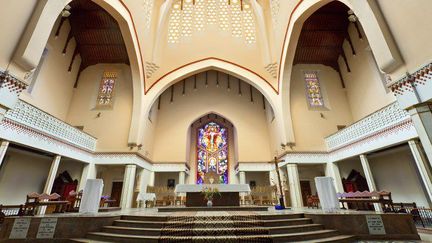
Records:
x=35, y=201
x=410, y=208
x=368, y=198
x=312, y=201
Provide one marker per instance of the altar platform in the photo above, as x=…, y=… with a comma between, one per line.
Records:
x=214, y=208
x=151, y=225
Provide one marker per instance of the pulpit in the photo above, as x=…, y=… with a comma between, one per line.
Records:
x=230, y=194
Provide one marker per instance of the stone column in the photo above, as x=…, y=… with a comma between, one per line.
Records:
x=294, y=186
x=422, y=119
x=128, y=187
x=50, y=179
x=369, y=178
x=152, y=179
x=332, y=170
x=422, y=166
x=88, y=172
x=182, y=177
x=242, y=177
x=3, y=148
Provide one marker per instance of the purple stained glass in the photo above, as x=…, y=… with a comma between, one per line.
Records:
x=212, y=152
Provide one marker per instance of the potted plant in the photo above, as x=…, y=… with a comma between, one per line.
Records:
x=209, y=193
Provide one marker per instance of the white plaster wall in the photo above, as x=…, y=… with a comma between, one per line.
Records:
x=310, y=128
x=20, y=174
x=260, y=177
x=109, y=174
x=309, y=172
x=409, y=22
x=174, y=119
x=161, y=178
x=365, y=88
x=346, y=166
x=112, y=127
x=394, y=170
x=14, y=16
x=53, y=88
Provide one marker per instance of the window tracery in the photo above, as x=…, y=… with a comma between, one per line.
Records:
x=313, y=89
x=212, y=153
x=106, y=90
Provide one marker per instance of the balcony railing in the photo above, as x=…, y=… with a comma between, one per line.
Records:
x=380, y=120
x=30, y=116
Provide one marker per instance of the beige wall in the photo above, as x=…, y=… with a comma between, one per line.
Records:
x=365, y=86
x=14, y=16
x=395, y=170
x=409, y=22
x=161, y=178
x=112, y=127
x=260, y=177
x=53, y=88
x=310, y=128
x=22, y=173
x=249, y=120
x=109, y=174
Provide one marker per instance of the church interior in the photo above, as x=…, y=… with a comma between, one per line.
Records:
x=215, y=121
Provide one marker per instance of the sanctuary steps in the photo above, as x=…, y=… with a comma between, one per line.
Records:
x=216, y=228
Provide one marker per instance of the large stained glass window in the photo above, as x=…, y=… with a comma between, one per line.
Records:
x=212, y=153
x=106, y=90
x=313, y=90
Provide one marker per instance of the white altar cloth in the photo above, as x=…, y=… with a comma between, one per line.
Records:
x=146, y=196
x=327, y=193
x=91, y=196
x=182, y=188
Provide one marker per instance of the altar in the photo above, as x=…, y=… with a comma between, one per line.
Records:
x=230, y=194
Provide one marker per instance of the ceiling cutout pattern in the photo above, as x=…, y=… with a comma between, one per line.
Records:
x=148, y=13
x=274, y=9
x=189, y=16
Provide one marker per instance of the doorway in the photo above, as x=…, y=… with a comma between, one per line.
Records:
x=306, y=190
x=116, y=191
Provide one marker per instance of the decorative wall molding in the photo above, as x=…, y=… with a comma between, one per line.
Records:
x=171, y=167
x=119, y=158
x=414, y=88
x=254, y=166
x=10, y=88
x=306, y=157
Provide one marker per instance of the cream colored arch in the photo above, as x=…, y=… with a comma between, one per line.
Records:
x=377, y=32
x=227, y=67
x=35, y=37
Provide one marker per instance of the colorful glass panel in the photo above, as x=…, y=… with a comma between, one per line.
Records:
x=106, y=89
x=212, y=152
x=313, y=89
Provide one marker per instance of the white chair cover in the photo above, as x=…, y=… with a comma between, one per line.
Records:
x=91, y=196
x=327, y=193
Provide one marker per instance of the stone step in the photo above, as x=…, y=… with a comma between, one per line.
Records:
x=280, y=216
x=153, y=218
x=313, y=236
x=160, y=224
x=211, y=230
x=333, y=239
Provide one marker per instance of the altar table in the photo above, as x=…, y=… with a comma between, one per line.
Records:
x=230, y=194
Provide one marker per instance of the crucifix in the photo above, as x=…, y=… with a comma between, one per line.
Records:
x=281, y=197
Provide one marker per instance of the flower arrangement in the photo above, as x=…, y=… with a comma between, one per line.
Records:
x=210, y=192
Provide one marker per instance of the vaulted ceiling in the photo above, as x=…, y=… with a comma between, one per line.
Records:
x=97, y=34
x=322, y=36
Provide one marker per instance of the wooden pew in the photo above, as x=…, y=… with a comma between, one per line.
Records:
x=35, y=201
x=368, y=198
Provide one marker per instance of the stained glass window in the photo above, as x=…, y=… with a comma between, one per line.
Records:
x=106, y=89
x=212, y=153
x=313, y=90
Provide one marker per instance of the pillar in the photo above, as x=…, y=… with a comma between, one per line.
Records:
x=152, y=179
x=3, y=148
x=88, y=172
x=422, y=166
x=369, y=178
x=242, y=177
x=50, y=179
x=182, y=177
x=128, y=186
x=294, y=186
x=422, y=119
x=332, y=170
